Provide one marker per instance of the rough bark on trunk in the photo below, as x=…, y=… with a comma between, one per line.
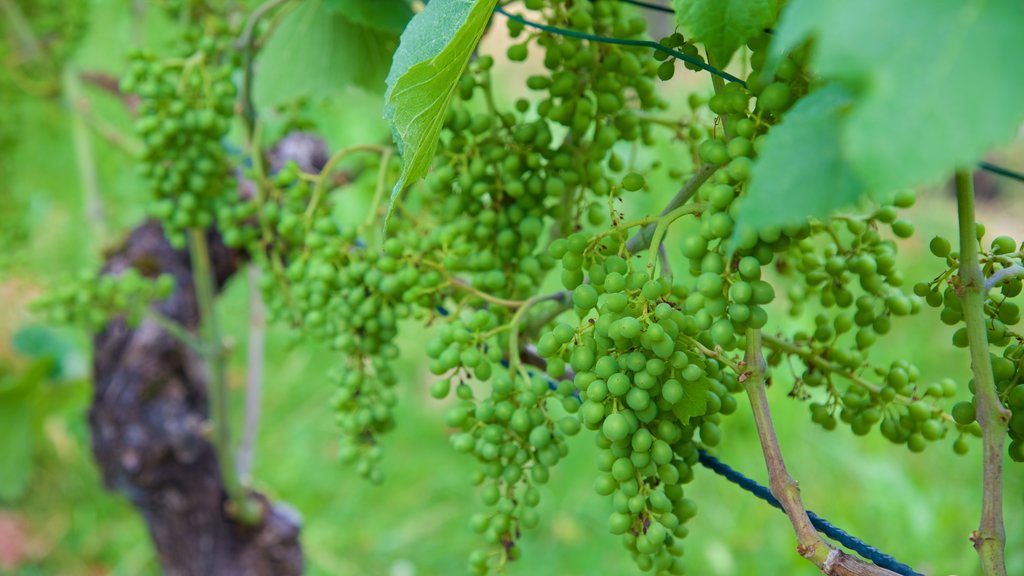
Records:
x=149, y=418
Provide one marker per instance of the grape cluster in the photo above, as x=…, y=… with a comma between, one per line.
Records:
x=92, y=300
x=646, y=387
x=185, y=109
x=334, y=289
x=1001, y=265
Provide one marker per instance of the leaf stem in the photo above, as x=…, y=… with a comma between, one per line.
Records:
x=990, y=538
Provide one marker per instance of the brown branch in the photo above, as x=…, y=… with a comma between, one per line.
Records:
x=149, y=434
x=108, y=83
x=810, y=545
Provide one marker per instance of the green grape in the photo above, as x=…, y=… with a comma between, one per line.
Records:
x=632, y=182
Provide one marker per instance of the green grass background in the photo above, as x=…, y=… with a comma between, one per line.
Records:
x=920, y=508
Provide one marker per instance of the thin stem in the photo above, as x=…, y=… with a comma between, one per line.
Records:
x=463, y=285
x=213, y=353
x=1014, y=271
x=812, y=358
x=662, y=227
x=253, y=375
x=517, y=318
x=321, y=179
x=382, y=183
x=642, y=239
x=175, y=329
x=247, y=44
x=990, y=538
x=22, y=30
x=85, y=158
x=810, y=545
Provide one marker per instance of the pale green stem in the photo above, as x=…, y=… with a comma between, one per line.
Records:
x=84, y=156
x=213, y=352
x=642, y=239
x=662, y=227
x=21, y=29
x=990, y=538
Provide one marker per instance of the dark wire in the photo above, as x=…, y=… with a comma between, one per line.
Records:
x=824, y=526
x=621, y=41
x=1001, y=171
x=649, y=6
x=1006, y=172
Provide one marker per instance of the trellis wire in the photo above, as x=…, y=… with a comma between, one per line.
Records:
x=830, y=530
x=866, y=551
x=684, y=57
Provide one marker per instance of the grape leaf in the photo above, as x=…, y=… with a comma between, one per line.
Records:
x=801, y=171
x=384, y=15
x=434, y=51
x=936, y=86
x=694, y=401
x=318, y=50
x=18, y=428
x=724, y=25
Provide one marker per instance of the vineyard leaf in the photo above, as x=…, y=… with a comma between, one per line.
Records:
x=18, y=427
x=801, y=171
x=724, y=25
x=17, y=442
x=318, y=50
x=694, y=400
x=935, y=88
x=434, y=51
x=384, y=15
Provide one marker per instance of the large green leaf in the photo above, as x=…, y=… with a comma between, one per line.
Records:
x=434, y=51
x=321, y=47
x=385, y=15
x=724, y=25
x=801, y=172
x=936, y=83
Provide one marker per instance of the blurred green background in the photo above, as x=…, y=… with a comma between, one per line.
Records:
x=919, y=508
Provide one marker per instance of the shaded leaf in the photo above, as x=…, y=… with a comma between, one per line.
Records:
x=384, y=15
x=17, y=441
x=801, y=171
x=318, y=50
x=433, y=53
x=18, y=425
x=937, y=85
x=37, y=341
x=724, y=25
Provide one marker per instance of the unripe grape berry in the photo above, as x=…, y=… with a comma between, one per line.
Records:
x=775, y=97
x=1003, y=245
x=940, y=247
x=632, y=182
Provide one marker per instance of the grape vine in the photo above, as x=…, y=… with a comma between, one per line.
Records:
x=553, y=307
